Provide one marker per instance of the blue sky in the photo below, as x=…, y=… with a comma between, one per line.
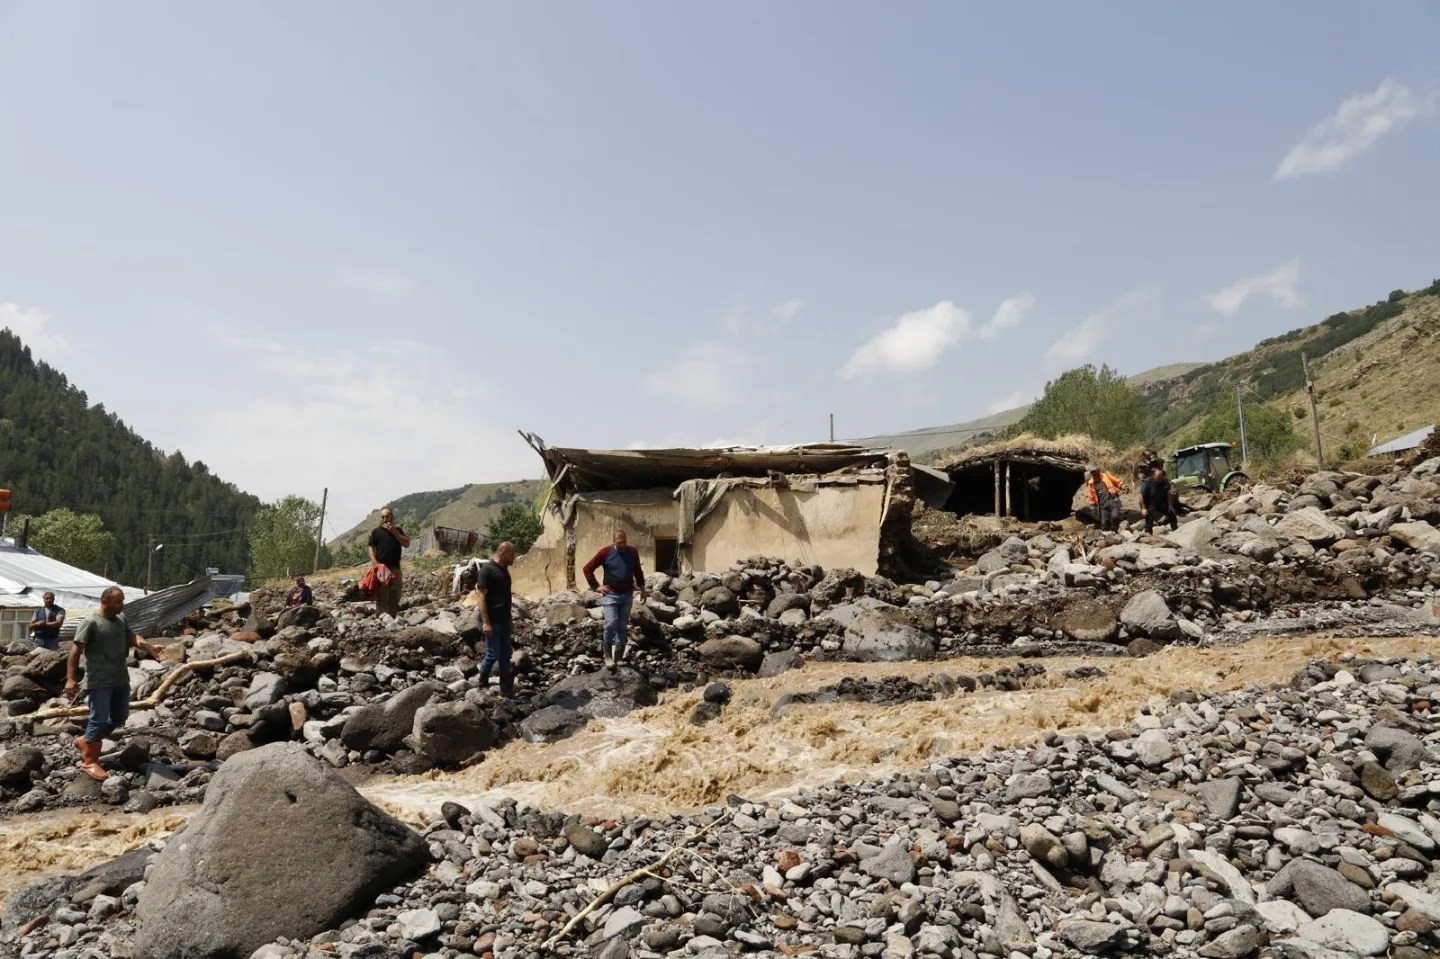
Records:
x=358, y=245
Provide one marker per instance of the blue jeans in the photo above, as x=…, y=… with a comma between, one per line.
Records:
x=498, y=648
x=616, y=607
x=46, y=642
x=109, y=708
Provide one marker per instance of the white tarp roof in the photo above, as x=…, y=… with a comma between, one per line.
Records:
x=26, y=575
x=1402, y=443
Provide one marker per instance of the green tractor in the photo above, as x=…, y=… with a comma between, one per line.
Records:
x=1207, y=466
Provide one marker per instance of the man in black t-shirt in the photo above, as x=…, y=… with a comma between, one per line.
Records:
x=386, y=543
x=494, y=589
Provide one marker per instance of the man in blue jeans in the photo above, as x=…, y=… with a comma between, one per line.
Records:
x=105, y=640
x=493, y=585
x=623, y=577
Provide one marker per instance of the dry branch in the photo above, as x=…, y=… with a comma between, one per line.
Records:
x=154, y=699
x=610, y=892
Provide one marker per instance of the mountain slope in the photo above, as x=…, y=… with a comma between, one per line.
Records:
x=58, y=450
x=928, y=443
x=1376, y=370
x=466, y=507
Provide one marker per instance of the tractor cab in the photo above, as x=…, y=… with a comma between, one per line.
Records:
x=1207, y=466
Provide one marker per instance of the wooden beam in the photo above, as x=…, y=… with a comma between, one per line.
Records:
x=999, y=502
x=1009, y=510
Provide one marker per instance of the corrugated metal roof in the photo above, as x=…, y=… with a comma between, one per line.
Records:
x=1402, y=443
x=26, y=573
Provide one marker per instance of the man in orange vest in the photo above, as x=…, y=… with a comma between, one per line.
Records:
x=1105, y=491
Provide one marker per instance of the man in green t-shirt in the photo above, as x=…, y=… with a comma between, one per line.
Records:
x=105, y=640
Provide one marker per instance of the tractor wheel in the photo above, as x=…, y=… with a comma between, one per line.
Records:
x=1235, y=482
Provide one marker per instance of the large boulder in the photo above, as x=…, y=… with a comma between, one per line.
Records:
x=384, y=726
x=453, y=733
x=603, y=694
x=305, y=617
x=1311, y=525
x=1088, y=621
x=875, y=631
x=720, y=600
x=1147, y=614
x=1194, y=534
x=19, y=765
x=1416, y=535
x=901, y=644
x=238, y=876
x=107, y=879
x=732, y=652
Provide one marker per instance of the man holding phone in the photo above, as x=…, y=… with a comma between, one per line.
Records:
x=387, y=541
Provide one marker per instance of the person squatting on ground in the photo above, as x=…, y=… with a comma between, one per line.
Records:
x=46, y=623
x=105, y=640
x=1105, y=491
x=493, y=584
x=623, y=577
x=1157, y=498
x=301, y=595
x=386, y=543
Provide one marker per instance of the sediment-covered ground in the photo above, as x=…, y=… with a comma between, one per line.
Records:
x=870, y=785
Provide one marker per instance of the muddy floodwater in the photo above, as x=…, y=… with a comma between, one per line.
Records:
x=654, y=761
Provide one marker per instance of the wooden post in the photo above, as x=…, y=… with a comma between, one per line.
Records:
x=1009, y=493
x=999, y=503
x=1314, y=416
x=320, y=530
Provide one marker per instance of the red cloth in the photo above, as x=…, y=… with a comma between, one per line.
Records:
x=375, y=576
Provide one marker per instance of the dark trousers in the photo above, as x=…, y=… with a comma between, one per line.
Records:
x=109, y=708
x=1110, y=514
x=1166, y=515
x=387, y=595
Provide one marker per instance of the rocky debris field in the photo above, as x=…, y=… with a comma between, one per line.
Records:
x=346, y=687
x=1298, y=820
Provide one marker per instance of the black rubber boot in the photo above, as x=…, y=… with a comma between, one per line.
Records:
x=507, y=685
x=484, y=677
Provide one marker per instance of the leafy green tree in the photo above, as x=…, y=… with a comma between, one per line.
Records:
x=1268, y=431
x=79, y=539
x=282, y=539
x=1096, y=403
x=352, y=553
x=516, y=523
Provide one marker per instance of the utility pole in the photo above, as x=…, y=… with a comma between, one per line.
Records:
x=149, y=560
x=832, y=427
x=1314, y=416
x=1244, y=441
x=320, y=531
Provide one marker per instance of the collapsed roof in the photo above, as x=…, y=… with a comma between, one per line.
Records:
x=573, y=471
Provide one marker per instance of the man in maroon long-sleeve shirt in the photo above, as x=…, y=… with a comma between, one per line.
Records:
x=620, y=566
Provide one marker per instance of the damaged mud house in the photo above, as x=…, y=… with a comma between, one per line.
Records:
x=835, y=505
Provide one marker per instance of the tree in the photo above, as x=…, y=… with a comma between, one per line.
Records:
x=1269, y=433
x=1097, y=403
x=282, y=539
x=79, y=539
x=518, y=524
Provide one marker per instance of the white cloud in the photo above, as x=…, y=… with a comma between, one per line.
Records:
x=379, y=283
x=1008, y=316
x=33, y=328
x=1079, y=344
x=1279, y=284
x=915, y=342
x=708, y=373
x=744, y=319
x=788, y=309
x=1357, y=124
x=356, y=421
x=1010, y=402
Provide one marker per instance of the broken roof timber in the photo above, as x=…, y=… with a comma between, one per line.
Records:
x=582, y=470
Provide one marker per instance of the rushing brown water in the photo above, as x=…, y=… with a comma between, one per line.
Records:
x=653, y=761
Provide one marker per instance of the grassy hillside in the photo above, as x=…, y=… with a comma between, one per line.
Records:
x=466, y=507
x=1376, y=370
x=1383, y=385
